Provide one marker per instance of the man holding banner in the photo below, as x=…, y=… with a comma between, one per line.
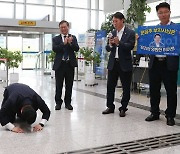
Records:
x=163, y=64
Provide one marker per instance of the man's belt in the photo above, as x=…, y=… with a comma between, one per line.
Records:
x=160, y=58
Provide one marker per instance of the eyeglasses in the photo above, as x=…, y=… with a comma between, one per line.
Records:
x=163, y=13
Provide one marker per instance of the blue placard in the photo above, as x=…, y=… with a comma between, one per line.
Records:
x=100, y=43
x=159, y=40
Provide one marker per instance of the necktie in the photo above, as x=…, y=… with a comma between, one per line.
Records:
x=65, y=52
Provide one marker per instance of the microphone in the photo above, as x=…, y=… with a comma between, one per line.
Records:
x=110, y=35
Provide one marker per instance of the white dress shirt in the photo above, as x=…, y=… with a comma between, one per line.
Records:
x=119, y=35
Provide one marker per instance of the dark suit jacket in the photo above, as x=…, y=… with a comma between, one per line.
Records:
x=126, y=44
x=172, y=61
x=59, y=48
x=15, y=97
x=153, y=44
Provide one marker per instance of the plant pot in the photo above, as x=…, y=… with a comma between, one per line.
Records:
x=88, y=68
x=52, y=74
x=3, y=74
x=14, y=77
x=90, y=79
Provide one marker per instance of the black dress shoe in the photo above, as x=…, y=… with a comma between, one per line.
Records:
x=108, y=111
x=170, y=121
x=122, y=113
x=58, y=107
x=152, y=117
x=69, y=107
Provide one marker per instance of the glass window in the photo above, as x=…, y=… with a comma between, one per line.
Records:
x=2, y=41
x=174, y=10
x=93, y=19
x=50, y=2
x=93, y=4
x=48, y=42
x=101, y=4
x=19, y=11
x=152, y=23
x=59, y=2
x=76, y=3
x=14, y=43
x=59, y=13
x=38, y=12
x=176, y=20
x=78, y=19
x=21, y=1
x=101, y=18
x=152, y=15
x=8, y=0
x=6, y=13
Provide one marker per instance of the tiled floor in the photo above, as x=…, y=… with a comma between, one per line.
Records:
x=85, y=126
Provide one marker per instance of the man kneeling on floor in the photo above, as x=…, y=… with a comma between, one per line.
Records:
x=22, y=101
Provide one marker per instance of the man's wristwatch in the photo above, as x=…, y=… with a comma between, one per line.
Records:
x=42, y=125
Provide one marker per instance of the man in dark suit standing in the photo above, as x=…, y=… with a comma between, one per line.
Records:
x=120, y=63
x=22, y=101
x=163, y=69
x=64, y=46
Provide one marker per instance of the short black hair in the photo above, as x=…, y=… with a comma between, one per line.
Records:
x=64, y=21
x=157, y=34
x=118, y=15
x=28, y=114
x=163, y=4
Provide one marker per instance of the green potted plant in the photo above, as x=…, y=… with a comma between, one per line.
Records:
x=136, y=12
x=91, y=58
x=14, y=60
x=51, y=57
x=107, y=25
x=3, y=63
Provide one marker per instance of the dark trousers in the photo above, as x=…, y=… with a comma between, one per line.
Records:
x=125, y=78
x=65, y=72
x=157, y=74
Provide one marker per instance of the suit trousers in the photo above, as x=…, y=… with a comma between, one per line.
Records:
x=158, y=74
x=64, y=72
x=125, y=78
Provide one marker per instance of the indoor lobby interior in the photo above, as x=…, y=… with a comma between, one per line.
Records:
x=86, y=130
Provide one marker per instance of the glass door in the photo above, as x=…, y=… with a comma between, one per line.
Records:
x=30, y=50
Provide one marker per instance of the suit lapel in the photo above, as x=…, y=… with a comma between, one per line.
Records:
x=60, y=37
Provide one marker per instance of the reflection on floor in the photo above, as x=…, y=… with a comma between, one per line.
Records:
x=85, y=126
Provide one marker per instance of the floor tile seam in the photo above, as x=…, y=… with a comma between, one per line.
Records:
x=132, y=104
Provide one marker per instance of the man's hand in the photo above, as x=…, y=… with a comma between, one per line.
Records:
x=37, y=128
x=70, y=39
x=65, y=40
x=17, y=130
x=116, y=40
x=111, y=41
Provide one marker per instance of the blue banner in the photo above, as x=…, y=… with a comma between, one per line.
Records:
x=100, y=43
x=159, y=40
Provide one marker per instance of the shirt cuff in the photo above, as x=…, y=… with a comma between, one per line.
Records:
x=9, y=126
x=43, y=121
